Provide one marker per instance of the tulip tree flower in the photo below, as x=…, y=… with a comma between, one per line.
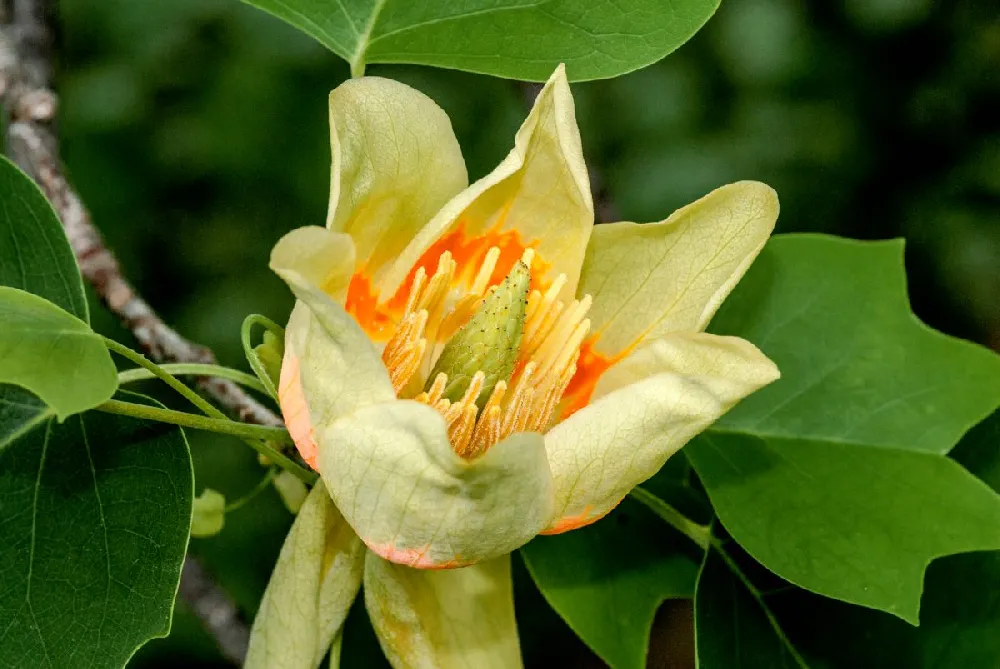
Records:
x=469, y=366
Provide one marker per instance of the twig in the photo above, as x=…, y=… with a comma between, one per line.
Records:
x=216, y=611
x=31, y=108
x=25, y=91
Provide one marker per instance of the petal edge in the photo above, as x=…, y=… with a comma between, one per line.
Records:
x=654, y=402
x=413, y=500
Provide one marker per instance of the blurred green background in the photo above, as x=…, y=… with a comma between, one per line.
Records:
x=196, y=132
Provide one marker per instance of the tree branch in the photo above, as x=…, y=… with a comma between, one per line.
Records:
x=25, y=91
x=31, y=107
x=217, y=612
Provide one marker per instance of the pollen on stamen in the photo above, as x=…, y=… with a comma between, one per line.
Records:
x=482, y=281
x=405, y=350
x=437, y=308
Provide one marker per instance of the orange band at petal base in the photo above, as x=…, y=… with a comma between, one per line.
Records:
x=582, y=519
x=295, y=410
x=379, y=319
x=589, y=368
x=362, y=303
x=413, y=557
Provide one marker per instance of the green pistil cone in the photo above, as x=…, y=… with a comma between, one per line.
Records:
x=489, y=342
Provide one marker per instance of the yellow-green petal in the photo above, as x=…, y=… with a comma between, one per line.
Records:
x=315, y=580
x=653, y=402
x=314, y=256
x=330, y=366
x=540, y=190
x=452, y=619
x=395, y=163
x=393, y=474
x=648, y=280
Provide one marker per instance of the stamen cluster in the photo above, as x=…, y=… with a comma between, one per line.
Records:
x=546, y=360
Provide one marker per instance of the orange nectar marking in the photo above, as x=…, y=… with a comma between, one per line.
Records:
x=582, y=519
x=413, y=557
x=295, y=411
x=362, y=303
x=470, y=253
x=542, y=373
x=441, y=293
x=589, y=369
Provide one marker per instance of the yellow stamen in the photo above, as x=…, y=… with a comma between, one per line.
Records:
x=485, y=271
x=419, y=279
x=437, y=307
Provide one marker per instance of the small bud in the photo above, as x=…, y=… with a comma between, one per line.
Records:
x=489, y=342
x=208, y=514
x=292, y=490
x=269, y=353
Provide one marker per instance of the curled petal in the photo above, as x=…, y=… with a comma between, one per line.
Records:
x=652, y=279
x=315, y=580
x=537, y=197
x=314, y=256
x=393, y=474
x=395, y=163
x=653, y=402
x=330, y=366
x=443, y=619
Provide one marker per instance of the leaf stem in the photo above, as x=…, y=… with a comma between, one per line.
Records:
x=699, y=534
x=257, y=436
x=157, y=371
x=257, y=489
x=196, y=421
x=719, y=547
x=194, y=369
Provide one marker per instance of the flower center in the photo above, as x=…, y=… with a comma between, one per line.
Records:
x=524, y=394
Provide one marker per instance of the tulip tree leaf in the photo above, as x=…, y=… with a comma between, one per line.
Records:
x=35, y=256
x=53, y=354
x=20, y=411
x=959, y=624
x=95, y=517
x=850, y=521
x=960, y=619
x=834, y=477
x=608, y=579
x=519, y=39
x=856, y=364
x=733, y=626
x=34, y=253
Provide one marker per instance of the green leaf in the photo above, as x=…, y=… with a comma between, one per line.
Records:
x=959, y=623
x=849, y=521
x=519, y=39
x=95, y=522
x=608, y=579
x=733, y=625
x=34, y=253
x=960, y=620
x=856, y=364
x=20, y=411
x=834, y=477
x=53, y=354
x=35, y=256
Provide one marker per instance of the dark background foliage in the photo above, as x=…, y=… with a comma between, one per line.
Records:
x=196, y=132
